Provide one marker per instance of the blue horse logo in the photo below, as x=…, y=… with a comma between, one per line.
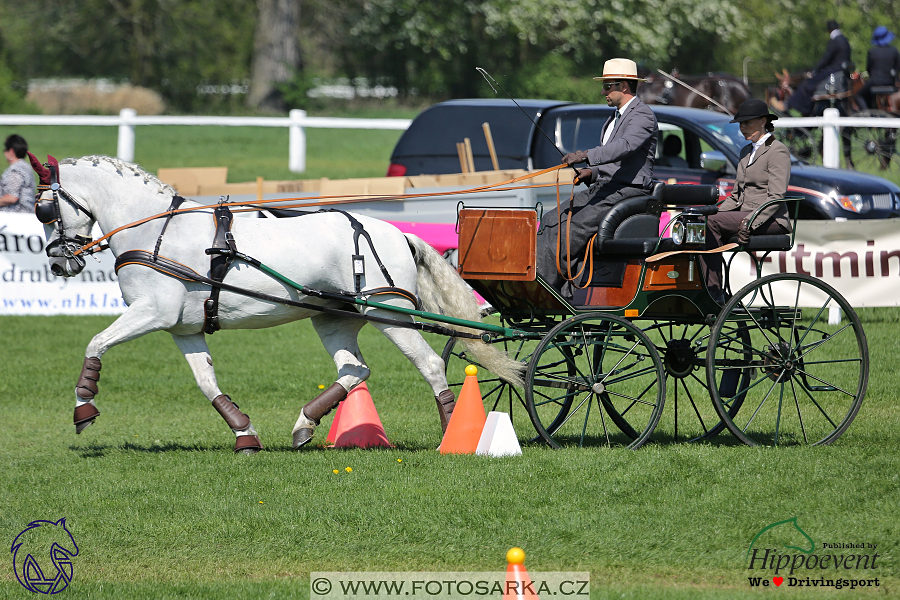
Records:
x=37, y=540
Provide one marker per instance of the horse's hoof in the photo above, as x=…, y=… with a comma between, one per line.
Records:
x=84, y=416
x=302, y=436
x=247, y=444
x=82, y=426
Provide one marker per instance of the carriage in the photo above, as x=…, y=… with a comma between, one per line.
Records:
x=598, y=367
x=641, y=346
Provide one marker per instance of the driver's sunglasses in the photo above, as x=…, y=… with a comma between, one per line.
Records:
x=611, y=85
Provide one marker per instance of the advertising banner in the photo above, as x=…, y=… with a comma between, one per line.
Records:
x=27, y=287
x=860, y=259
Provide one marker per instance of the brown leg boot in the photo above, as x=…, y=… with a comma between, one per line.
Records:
x=86, y=389
x=446, y=401
x=313, y=412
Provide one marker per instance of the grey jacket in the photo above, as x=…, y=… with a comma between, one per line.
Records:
x=765, y=179
x=627, y=158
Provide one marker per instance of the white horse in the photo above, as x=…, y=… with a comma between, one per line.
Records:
x=314, y=250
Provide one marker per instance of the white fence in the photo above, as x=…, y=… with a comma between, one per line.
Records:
x=831, y=123
x=128, y=119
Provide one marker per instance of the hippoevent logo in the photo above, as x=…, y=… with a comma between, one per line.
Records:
x=42, y=556
x=782, y=553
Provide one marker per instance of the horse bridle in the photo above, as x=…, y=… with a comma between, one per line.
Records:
x=48, y=211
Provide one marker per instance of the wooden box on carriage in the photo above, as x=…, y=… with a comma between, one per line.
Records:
x=497, y=244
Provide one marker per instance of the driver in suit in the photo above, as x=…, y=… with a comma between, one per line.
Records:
x=620, y=167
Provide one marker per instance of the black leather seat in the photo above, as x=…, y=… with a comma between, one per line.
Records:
x=631, y=227
x=767, y=243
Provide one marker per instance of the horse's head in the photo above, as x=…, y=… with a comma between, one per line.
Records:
x=67, y=220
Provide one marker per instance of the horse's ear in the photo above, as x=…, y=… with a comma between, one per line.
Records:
x=42, y=171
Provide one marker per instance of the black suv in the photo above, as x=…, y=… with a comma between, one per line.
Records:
x=695, y=145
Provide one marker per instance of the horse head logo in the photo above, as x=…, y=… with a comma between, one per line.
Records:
x=792, y=521
x=36, y=542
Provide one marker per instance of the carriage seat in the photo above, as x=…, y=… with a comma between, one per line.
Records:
x=882, y=90
x=835, y=84
x=772, y=242
x=767, y=243
x=631, y=227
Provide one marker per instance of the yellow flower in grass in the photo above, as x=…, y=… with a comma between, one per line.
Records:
x=349, y=470
x=335, y=471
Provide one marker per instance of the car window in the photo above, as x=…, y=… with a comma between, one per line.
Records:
x=570, y=130
x=729, y=134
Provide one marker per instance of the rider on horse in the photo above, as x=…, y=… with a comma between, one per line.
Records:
x=835, y=59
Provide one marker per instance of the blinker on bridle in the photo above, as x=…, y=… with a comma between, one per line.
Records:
x=48, y=211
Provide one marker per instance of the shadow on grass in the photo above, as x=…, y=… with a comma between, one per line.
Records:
x=102, y=450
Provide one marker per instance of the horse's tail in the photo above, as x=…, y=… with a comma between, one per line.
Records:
x=443, y=291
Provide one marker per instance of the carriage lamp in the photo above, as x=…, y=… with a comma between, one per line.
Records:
x=689, y=229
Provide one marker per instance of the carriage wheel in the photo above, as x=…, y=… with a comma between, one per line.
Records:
x=874, y=147
x=682, y=347
x=809, y=377
x=497, y=394
x=603, y=376
x=803, y=143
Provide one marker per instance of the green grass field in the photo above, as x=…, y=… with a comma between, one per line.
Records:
x=161, y=508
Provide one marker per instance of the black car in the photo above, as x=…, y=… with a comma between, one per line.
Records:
x=428, y=146
x=695, y=145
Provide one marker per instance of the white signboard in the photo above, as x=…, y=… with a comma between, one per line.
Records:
x=27, y=287
x=860, y=259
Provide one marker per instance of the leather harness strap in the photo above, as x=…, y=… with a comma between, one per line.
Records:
x=180, y=271
x=176, y=202
x=218, y=264
x=358, y=230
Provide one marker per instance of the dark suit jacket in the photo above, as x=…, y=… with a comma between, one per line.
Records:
x=627, y=158
x=763, y=180
x=837, y=52
x=880, y=61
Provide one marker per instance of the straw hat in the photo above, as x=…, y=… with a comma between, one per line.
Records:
x=619, y=68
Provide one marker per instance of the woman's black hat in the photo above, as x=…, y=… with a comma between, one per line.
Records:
x=752, y=109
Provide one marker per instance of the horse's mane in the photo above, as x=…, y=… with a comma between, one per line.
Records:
x=121, y=166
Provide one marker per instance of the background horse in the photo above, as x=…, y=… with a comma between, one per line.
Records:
x=844, y=100
x=316, y=250
x=727, y=90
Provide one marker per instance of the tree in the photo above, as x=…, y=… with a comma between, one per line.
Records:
x=276, y=52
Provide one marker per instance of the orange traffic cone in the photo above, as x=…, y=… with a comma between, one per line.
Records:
x=467, y=420
x=519, y=585
x=359, y=424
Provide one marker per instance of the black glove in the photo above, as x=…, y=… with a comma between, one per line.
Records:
x=573, y=158
x=584, y=176
x=743, y=236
